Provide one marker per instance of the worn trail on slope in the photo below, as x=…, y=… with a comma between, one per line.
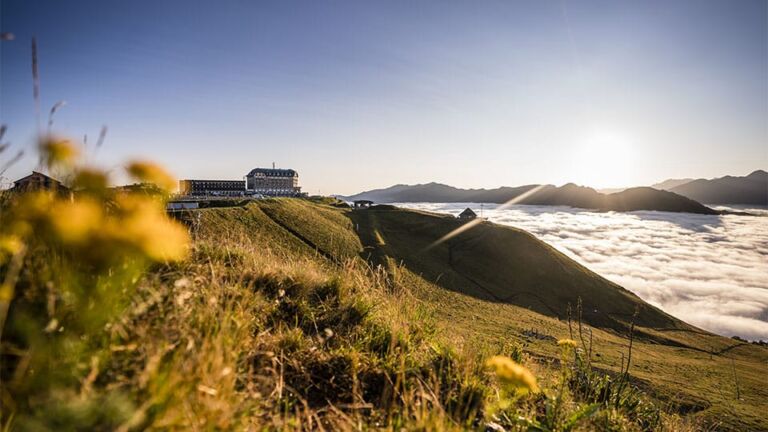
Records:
x=299, y=236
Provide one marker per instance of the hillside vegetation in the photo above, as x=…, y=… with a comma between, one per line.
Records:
x=292, y=315
x=506, y=265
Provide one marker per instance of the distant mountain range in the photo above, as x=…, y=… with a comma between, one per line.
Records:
x=748, y=190
x=675, y=195
x=641, y=198
x=671, y=183
x=751, y=189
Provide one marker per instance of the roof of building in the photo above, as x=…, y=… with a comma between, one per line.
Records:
x=36, y=174
x=468, y=212
x=273, y=172
x=38, y=179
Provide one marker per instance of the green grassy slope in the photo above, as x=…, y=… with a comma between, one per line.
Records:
x=324, y=227
x=506, y=265
x=494, y=284
x=294, y=314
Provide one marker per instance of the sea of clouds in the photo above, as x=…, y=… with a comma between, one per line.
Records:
x=711, y=271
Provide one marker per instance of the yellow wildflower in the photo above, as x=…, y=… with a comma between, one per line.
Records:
x=152, y=173
x=90, y=179
x=73, y=222
x=567, y=343
x=35, y=206
x=9, y=245
x=160, y=238
x=145, y=226
x=58, y=151
x=512, y=375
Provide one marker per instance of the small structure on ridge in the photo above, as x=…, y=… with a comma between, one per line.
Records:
x=467, y=214
x=361, y=204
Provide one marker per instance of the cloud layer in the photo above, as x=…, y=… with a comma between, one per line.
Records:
x=711, y=271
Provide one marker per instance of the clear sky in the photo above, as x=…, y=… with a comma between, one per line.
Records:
x=362, y=94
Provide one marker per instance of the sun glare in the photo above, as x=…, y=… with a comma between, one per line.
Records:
x=604, y=160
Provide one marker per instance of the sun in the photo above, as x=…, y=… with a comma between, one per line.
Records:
x=604, y=160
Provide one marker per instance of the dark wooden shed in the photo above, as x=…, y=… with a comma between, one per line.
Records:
x=467, y=214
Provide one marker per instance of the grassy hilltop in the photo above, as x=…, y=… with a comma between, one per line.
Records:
x=299, y=314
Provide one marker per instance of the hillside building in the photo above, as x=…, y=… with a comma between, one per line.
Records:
x=259, y=181
x=212, y=187
x=38, y=181
x=273, y=182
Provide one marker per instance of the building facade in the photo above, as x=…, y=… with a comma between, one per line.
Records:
x=212, y=187
x=38, y=181
x=260, y=181
x=273, y=182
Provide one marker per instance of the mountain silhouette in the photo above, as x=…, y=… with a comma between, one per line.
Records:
x=671, y=183
x=751, y=189
x=640, y=198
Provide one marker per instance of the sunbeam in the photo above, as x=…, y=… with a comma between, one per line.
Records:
x=474, y=222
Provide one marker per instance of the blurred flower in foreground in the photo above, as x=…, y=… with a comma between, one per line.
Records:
x=75, y=222
x=100, y=231
x=58, y=151
x=151, y=173
x=9, y=245
x=143, y=225
x=567, y=343
x=94, y=224
x=90, y=180
x=514, y=377
x=72, y=257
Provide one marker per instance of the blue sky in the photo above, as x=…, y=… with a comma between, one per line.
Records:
x=363, y=94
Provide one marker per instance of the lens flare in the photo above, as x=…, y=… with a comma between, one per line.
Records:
x=474, y=222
